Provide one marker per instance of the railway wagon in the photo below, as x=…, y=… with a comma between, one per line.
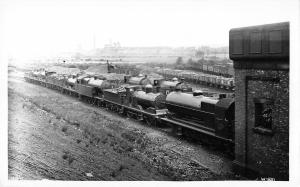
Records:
x=229, y=83
x=204, y=67
x=201, y=78
x=230, y=71
x=210, y=68
x=223, y=70
x=216, y=70
x=219, y=82
x=213, y=80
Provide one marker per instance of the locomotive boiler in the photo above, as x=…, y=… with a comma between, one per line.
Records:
x=147, y=99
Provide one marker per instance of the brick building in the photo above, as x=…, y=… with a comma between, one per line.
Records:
x=261, y=63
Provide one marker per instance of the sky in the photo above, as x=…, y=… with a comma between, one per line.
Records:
x=35, y=28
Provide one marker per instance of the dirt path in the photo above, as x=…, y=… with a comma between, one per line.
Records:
x=54, y=136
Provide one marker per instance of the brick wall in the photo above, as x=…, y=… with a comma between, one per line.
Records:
x=265, y=152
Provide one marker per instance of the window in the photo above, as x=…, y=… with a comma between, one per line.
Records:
x=263, y=115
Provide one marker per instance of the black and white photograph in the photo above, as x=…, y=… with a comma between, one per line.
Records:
x=203, y=91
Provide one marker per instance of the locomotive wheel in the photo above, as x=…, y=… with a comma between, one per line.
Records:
x=93, y=101
x=108, y=106
x=115, y=108
x=140, y=115
x=150, y=120
x=177, y=130
x=121, y=110
x=129, y=114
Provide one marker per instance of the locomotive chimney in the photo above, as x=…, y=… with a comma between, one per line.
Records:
x=181, y=80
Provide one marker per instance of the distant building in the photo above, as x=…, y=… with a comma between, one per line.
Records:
x=116, y=50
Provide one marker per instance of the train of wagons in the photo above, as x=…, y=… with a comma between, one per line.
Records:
x=199, y=78
x=203, y=78
x=220, y=76
x=155, y=101
x=225, y=70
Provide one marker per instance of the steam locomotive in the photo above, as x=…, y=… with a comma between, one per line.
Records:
x=170, y=102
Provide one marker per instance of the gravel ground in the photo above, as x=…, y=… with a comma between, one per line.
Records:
x=53, y=136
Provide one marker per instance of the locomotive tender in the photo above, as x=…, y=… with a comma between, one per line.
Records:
x=167, y=86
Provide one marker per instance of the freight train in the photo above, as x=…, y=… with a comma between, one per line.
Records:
x=199, y=78
x=220, y=76
x=172, y=102
x=224, y=70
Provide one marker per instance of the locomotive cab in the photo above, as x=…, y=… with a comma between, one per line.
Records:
x=224, y=118
x=167, y=86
